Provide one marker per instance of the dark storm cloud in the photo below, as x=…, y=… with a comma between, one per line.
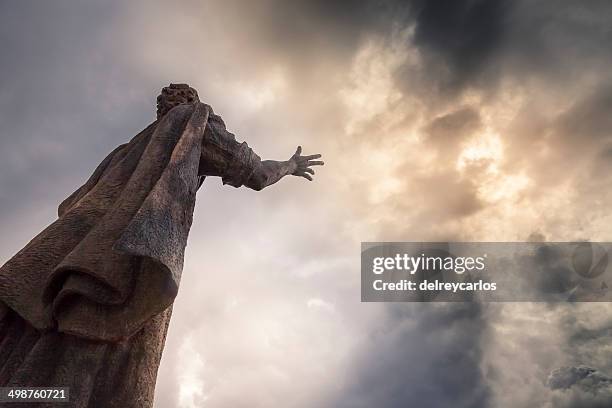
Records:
x=464, y=43
x=578, y=377
x=427, y=355
x=553, y=276
x=587, y=343
x=465, y=34
x=580, y=387
x=588, y=118
x=479, y=41
x=585, y=335
x=587, y=377
x=559, y=39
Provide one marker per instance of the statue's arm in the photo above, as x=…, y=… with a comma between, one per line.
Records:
x=268, y=172
x=239, y=166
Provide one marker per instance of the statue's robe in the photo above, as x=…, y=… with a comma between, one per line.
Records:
x=86, y=304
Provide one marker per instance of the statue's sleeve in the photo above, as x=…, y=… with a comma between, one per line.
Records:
x=223, y=156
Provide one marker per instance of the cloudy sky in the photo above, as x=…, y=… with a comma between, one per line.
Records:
x=438, y=120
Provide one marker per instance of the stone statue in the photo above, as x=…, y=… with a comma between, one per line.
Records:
x=86, y=304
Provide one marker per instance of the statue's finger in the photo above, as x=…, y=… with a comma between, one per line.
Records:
x=312, y=156
x=309, y=170
x=302, y=174
x=315, y=163
x=298, y=151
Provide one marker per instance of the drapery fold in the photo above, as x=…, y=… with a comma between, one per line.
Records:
x=113, y=258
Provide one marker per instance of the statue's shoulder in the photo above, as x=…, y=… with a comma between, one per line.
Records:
x=187, y=109
x=181, y=111
x=196, y=114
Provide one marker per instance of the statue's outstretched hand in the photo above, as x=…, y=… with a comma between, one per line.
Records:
x=303, y=163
